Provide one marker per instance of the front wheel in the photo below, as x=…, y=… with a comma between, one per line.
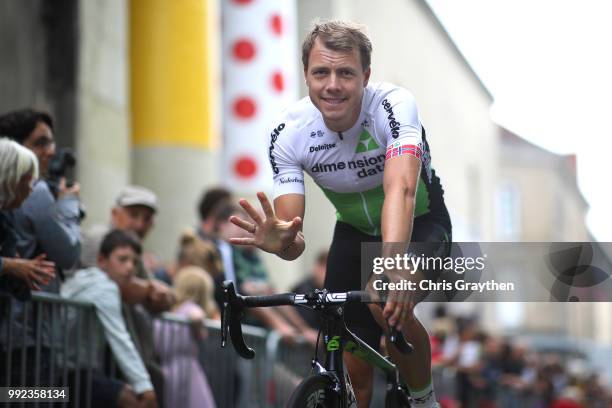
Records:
x=316, y=391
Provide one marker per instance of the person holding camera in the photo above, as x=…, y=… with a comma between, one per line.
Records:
x=46, y=223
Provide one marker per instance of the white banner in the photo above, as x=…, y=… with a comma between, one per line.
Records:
x=260, y=57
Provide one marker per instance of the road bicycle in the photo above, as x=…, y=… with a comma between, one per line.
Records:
x=329, y=385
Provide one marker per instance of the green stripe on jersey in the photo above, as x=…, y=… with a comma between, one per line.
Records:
x=363, y=210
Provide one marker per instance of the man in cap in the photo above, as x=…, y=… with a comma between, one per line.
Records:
x=135, y=209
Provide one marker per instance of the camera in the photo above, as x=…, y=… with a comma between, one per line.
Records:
x=62, y=165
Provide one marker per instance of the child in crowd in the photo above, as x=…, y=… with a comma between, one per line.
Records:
x=178, y=344
x=117, y=259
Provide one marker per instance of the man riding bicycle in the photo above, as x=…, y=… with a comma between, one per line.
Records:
x=364, y=145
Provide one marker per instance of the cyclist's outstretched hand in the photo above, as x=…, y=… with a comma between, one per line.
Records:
x=270, y=233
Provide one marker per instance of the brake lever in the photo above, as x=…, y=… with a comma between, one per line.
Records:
x=231, y=319
x=399, y=341
x=395, y=336
x=224, y=323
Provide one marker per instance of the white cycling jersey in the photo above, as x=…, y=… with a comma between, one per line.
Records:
x=349, y=165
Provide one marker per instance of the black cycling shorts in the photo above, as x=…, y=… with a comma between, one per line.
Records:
x=344, y=269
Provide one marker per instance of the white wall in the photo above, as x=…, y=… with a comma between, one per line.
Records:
x=103, y=113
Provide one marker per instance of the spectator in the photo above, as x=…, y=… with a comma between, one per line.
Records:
x=135, y=211
x=312, y=282
x=99, y=285
x=209, y=204
x=45, y=223
x=18, y=171
x=194, y=285
x=486, y=379
x=47, y=227
x=195, y=251
x=178, y=344
x=208, y=209
x=467, y=362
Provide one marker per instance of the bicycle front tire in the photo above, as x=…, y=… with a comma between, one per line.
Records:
x=316, y=391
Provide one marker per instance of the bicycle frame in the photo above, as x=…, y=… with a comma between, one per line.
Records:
x=337, y=338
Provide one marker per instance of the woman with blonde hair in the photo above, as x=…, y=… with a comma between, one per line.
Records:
x=18, y=172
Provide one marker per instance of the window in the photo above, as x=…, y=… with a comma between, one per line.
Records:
x=508, y=212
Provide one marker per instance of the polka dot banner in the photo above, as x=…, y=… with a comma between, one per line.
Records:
x=259, y=44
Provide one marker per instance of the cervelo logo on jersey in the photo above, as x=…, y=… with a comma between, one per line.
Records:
x=273, y=137
x=325, y=146
x=367, y=166
x=393, y=124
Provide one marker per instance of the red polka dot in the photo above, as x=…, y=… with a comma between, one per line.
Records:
x=242, y=2
x=243, y=50
x=278, y=82
x=245, y=167
x=277, y=24
x=244, y=108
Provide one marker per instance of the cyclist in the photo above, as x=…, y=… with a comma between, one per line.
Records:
x=364, y=145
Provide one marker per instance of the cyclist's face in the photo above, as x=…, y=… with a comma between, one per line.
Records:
x=336, y=81
x=42, y=144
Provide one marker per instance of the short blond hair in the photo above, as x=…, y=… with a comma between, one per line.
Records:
x=338, y=35
x=193, y=283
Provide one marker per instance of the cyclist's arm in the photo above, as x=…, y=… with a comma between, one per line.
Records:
x=286, y=208
x=400, y=183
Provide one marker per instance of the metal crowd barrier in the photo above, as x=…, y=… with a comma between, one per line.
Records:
x=56, y=349
x=40, y=342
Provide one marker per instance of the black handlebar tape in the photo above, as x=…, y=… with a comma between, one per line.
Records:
x=363, y=296
x=280, y=299
x=358, y=296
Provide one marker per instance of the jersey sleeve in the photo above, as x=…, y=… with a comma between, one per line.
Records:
x=287, y=170
x=398, y=120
